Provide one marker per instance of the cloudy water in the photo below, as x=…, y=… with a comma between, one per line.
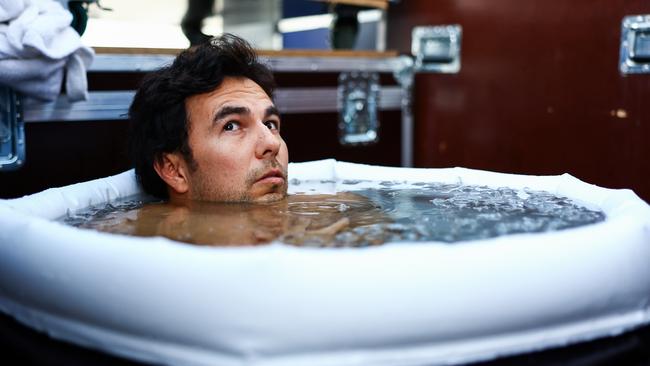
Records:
x=350, y=216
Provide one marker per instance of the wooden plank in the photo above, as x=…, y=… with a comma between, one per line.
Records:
x=265, y=53
x=137, y=51
x=327, y=53
x=379, y=4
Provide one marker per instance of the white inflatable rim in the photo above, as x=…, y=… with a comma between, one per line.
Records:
x=156, y=300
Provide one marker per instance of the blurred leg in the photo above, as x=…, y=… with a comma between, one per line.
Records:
x=197, y=10
x=346, y=26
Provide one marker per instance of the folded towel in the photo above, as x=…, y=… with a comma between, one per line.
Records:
x=37, y=46
x=36, y=77
x=76, y=83
x=10, y=9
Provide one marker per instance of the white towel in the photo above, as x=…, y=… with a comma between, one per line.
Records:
x=37, y=46
x=10, y=9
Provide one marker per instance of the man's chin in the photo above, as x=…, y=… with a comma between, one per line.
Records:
x=270, y=197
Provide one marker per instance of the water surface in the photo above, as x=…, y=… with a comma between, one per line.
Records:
x=352, y=215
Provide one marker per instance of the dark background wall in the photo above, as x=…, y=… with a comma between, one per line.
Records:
x=539, y=91
x=61, y=153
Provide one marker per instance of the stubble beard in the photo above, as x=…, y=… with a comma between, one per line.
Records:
x=208, y=190
x=277, y=192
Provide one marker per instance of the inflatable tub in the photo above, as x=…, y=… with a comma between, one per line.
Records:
x=160, y=301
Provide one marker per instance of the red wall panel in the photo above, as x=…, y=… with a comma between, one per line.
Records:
x=539, y=91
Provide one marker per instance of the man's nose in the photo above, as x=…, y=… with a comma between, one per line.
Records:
x=268, y=143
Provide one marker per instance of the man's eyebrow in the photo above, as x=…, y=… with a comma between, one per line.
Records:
x=271, y=111
x=227, y=110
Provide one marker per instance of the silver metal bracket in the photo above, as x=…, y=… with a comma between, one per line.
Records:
x=635, y=45
x=437, y=48
x=12, y=132
x=358, y=98
x=404, y=75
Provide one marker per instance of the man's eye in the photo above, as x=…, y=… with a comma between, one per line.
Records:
x=231, y=126
x=272, y=125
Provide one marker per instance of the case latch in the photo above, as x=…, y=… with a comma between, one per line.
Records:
x=12, y=133
x=358, y=98
x=437, y=48
x=635, y=45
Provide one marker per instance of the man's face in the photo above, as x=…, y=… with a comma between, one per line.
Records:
x=234, y=135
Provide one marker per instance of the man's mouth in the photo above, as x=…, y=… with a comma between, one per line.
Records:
x=273, y=176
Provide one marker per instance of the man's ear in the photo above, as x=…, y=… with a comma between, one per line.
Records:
x=172, y=169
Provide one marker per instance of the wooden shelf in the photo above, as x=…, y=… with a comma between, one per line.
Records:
x=379, y=4
x=264, y=53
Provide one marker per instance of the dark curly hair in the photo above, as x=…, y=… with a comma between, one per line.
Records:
x=158, y=119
